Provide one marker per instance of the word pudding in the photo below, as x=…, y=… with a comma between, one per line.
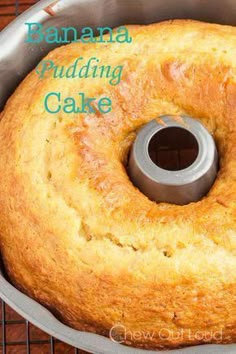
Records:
x=80, y=70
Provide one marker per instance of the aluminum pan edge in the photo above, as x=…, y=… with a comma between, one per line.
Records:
x=42, y=318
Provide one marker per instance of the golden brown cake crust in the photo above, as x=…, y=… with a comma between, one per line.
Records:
x=77, y=236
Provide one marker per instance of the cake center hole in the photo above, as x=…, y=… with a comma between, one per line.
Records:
x=173, y=148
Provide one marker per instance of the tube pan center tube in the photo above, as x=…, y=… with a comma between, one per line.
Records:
x=174, y=160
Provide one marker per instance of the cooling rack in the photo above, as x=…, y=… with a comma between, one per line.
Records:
x=18, y=336
x=9, y=9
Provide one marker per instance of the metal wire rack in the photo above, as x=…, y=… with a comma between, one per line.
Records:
x=17, y=335
x=9, y=9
